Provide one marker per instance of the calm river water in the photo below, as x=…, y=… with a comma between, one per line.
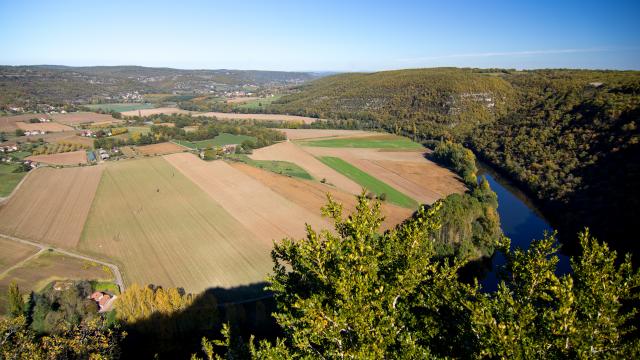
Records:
x=521, y=222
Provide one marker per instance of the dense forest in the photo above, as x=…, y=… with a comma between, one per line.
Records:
x=568, y=137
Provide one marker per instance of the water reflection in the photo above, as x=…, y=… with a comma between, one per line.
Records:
x=521, y=222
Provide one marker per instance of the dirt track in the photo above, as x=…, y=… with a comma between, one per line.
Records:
x=163, y=110
x=288, y=151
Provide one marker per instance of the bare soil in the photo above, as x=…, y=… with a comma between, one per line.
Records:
x=51, y=205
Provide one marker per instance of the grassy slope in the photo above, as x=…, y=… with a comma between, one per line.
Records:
x=379, y=142
x=279, y=167
x=9, y=179
x=369, y=182
x=220, y=140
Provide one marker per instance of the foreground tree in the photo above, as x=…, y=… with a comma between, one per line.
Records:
x=356, y=293
x=89, y=340
x=15, y=301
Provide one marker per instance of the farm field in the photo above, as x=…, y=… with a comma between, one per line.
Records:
x=262, y=211
x=66, y=158
x=288, y=151
x=165, y=230
x=259, y=117
x=279, y=167
x=312, y=195
x=407, y=171
x=159, y=149
x=304, y=134
x=75, y=139
x=51, y=205
x=9, y=179
x=128, y=151
x=8, y=123
x=39, y=271
x=255, y=102
x=120, y=107
x=47, y=127
x=372, y=184
x=83, y=117
x=220, y=140
x=13, y=252
x=241, y=100
x=376, y=141
x=155, y=111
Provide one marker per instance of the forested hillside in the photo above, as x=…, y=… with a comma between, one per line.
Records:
x=569, y=137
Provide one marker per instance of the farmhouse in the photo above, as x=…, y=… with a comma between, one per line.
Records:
x=103, y=300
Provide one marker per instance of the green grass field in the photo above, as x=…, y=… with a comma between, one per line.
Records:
x=9, y=179
x=120, y=107
x=369, y=182
x=378, y=142
x=255, y=104
x=222, y=139
x=278, y=167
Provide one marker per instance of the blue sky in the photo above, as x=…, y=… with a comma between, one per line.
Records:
x=322, y=35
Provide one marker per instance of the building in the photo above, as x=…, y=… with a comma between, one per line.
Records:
x=103, y=300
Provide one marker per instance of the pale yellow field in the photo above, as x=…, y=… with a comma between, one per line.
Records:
x=162, y=229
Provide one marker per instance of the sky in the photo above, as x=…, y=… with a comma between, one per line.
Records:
x=322, y=35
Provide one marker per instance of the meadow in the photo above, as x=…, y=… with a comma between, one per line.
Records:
x=258, y=103
x=279, y=167
x=369, y=182
x=9, y=178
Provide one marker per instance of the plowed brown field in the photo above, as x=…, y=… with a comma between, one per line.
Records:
x=84, y=117
x=13, y=252
x=268, y=215
x=302, y=134
x=160, y=149
x=68, y=158
x=51, y=205
x=407, y=171
x=313, y=195
x=47, y=127
x=8, y=123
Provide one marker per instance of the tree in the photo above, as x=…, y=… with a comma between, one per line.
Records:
x=15, y=301
x=356, y=293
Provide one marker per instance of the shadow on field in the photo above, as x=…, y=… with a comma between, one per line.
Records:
x=246, y=308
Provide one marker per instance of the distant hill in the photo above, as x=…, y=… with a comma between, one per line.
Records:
x=569, y=137
x=22, y=85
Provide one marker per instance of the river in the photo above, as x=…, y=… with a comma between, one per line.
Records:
x=521, y=222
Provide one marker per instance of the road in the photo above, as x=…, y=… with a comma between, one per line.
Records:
x=114, y=268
